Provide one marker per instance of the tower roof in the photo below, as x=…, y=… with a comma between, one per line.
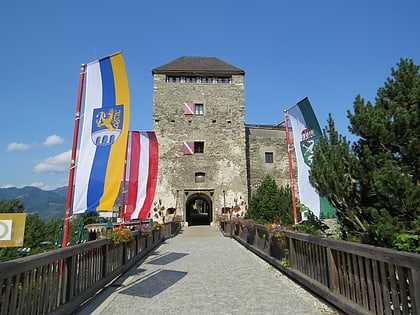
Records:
x=198, y=65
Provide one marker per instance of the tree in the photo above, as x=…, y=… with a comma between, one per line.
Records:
x=11, y=206
x=333, y=176
x=375, y=183
x=34, y=233
x=271, y=203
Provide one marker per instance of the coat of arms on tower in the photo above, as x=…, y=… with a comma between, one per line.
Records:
x=107, y=124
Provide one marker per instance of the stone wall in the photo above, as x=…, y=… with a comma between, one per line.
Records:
x=262, y=139
x=221, y=128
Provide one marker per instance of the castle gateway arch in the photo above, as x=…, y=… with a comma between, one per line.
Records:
x=198, y=208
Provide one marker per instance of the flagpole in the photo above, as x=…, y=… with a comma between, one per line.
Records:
x=292, y=177
x=122, y=210
x=73, y=157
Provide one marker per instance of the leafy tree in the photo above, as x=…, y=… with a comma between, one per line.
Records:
x=34, y=233
x=271, y=203
x=375, y=183
x=11, y=206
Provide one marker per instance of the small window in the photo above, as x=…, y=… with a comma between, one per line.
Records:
x=173, y=79
x=200, y=177
x=198, y=147
x=190, y=79
x=198, y=109
x=193, y=147
x=268, y=157
x=206, y=80
x=223, y=79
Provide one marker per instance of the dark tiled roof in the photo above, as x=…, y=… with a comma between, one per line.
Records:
x=198, y=65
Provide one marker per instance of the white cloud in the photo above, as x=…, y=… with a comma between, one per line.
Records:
x=53, y=140
x=18, y=147
x=37, y=184
x=58, y=163
x=7, y=186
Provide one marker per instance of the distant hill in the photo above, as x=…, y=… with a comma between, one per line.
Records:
x=49, y=204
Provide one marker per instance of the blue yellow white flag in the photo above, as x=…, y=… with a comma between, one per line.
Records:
x=103, y=140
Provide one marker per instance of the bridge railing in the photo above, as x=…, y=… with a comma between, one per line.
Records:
x=356, y=278
x=59, y=281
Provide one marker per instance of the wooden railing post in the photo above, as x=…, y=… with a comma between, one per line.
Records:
x=70, y=272
x=415, y=298
x=292, y=252
x=104, y=260
x=332, y=271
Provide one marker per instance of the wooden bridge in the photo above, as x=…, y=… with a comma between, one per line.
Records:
x=354, y=278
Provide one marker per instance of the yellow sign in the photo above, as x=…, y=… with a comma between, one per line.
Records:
x=12, y=229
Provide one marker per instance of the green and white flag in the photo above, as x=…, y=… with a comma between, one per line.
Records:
x=306, y=132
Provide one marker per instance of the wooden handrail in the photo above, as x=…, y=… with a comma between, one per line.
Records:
x=356, y=278
x=59, y=281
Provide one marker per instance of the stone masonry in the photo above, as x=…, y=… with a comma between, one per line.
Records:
x=228, y=164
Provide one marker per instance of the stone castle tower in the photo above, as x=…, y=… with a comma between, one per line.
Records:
x=209, y=160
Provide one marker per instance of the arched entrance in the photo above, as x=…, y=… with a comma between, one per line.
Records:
x=199, y=209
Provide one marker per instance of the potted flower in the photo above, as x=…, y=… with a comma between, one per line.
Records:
x=278, y=244
x=157, y=226
x=121, y=235
x=222, y=219
x=235, y=221
x=248, y=225
x=146, y=230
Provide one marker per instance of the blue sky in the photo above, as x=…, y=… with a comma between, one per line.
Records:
x=329, y=51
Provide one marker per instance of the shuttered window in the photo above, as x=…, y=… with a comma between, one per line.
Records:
x=188, y=147
x=189, y=108
x=192, y=147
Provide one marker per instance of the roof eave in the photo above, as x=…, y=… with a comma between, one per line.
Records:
x=197, y=72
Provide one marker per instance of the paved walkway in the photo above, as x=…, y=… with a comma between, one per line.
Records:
x=201, y=272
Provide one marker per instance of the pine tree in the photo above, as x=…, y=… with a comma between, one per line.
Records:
x=333, y=176
x=375, y=183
